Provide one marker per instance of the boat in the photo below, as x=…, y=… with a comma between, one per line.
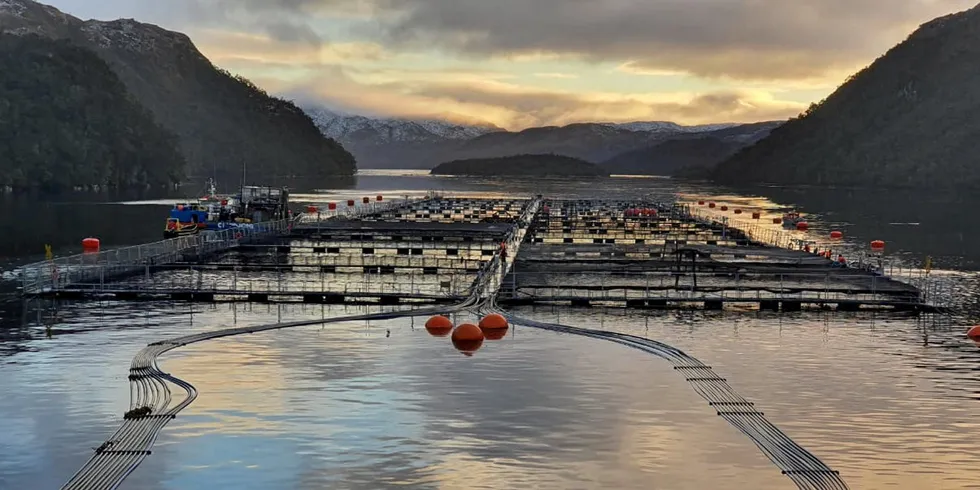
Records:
x=254, y=204
x=792, y=219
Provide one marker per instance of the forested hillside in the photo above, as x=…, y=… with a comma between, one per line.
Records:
x=66, y=120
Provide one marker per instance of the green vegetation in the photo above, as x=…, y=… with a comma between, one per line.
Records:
x=221, y=120
x=908, y=120
x=67, y=121
x=522, y=165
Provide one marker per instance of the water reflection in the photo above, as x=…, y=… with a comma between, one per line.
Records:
x=886, y=399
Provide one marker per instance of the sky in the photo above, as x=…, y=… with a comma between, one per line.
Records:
x=524, y=63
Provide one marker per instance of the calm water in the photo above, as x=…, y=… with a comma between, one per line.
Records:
x=888, y=400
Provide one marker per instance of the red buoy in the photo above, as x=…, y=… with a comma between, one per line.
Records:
x=367, y=200
x=493, y=322
x=380, y=198
x=756, y=215
x=439, y=326
x=332, y=206
x=312, y=209
x=711, y=205
x=836, y=235
x=974, y=333
x=700, y=203
x=777, y=221
x=467, y=338
x=724, y=208
x=877, y=245
x=803, y=226
x=738, y=211
x=350, y=203
x=91, y=245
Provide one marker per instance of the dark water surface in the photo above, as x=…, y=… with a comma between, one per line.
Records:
x=889, y=400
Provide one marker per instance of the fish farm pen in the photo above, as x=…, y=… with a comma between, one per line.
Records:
x=581, y=253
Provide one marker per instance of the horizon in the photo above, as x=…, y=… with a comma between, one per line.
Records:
x=553, y=63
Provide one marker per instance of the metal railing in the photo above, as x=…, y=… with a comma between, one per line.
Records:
x=54, y=274
x=190, y=279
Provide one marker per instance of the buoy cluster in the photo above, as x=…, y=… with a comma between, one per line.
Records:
x=468, y=338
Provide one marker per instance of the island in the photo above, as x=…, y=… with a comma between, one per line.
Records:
x=521, y=165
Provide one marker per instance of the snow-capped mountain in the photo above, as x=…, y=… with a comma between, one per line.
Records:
x=668, y=127
x=406, y=143
x=348, y=128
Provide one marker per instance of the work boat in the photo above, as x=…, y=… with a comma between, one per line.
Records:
x=255, y=204
x=792, y=219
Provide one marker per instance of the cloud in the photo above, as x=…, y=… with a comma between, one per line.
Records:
x=739, y=39
x=566, y=76
x=516, y=107
x=735, y=39
x=432, y=57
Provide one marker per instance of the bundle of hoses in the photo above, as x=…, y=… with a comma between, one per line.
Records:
x=805, y=469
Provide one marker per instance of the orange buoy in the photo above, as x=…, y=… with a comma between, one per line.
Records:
x=91, y=245
x=836, y=235
x=711, y=205
x=350, y=203
x=312, y=209
x=724, y=208
x=493, y=322
x=756, y=215
x=803, y=226
x=467, y=338
x=439, y=326
x=877, y=245
x=974, y=333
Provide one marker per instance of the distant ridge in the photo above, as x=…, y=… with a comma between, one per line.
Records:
x=521, y=165
x=689, y=154
x=423, y=144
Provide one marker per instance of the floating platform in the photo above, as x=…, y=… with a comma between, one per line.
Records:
x=625, y=253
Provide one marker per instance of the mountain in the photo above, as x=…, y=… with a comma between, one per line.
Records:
x=405, y=143
x=395, y=143
x=66, y=120
x=669, y=127
x=221, y=121
x=689, y=152
x=349, y=128
x=908, y=120
x=522, y=165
